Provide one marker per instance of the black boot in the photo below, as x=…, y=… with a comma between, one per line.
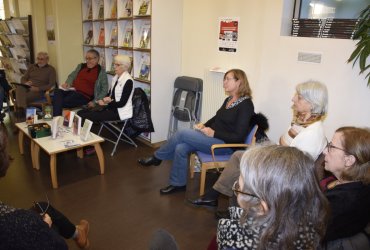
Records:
x=149, y=161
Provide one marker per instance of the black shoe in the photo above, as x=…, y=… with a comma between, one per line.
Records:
x=222, y=214
x=149, y=161
x=203, y=202
x=172, y=189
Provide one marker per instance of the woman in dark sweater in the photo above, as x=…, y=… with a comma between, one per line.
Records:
x=347, y=157
x=229, y=125
x=34, y=228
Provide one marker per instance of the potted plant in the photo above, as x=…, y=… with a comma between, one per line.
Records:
x=362, y=51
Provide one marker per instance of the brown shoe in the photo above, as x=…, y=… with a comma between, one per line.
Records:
x=82, y=231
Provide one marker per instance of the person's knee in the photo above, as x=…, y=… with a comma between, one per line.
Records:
x=182, y=149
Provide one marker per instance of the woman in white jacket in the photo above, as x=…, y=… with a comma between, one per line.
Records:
x=117, y=105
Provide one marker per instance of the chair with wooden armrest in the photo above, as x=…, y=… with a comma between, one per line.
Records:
x=213, y=161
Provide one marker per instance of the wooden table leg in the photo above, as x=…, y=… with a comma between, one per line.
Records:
x=20, y=141
x=99, y=153
x=35, y=155
x=53, y=170
x=80, y=153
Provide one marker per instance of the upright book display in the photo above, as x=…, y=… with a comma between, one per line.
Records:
x=138, y=29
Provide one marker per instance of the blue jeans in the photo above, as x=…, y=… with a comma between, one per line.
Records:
x=178, y=148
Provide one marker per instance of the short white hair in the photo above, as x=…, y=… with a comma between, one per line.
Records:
x=124, y=60
x=316, y=94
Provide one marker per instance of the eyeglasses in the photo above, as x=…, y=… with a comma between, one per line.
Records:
x=116, y=64
x=40, y=58
x=236, y=189
x=43, y=211
x=90, y=58
x=330, y=146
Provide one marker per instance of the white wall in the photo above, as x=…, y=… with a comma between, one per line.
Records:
x=270, y=61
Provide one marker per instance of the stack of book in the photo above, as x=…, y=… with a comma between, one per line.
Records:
x=339, y=28
x=307, y=27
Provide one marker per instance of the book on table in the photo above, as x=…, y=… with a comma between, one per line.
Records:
x=145, y=36
x=85, y=130
x=31, y=116
x=76, y=124
x=48, y=112
x=55, y=126
x=68, y=118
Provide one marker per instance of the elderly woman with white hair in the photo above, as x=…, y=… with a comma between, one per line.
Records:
x=306, y=133
x=117, y=104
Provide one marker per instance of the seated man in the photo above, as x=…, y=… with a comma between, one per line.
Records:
x=38, y=78
x=87, y=84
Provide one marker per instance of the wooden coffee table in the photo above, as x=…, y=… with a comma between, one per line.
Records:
x=55, y=146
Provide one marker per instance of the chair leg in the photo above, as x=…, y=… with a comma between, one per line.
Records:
x=191, y=167
x=202, y=180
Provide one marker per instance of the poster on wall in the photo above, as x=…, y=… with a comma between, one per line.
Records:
x=228, y=34
x=50, y=29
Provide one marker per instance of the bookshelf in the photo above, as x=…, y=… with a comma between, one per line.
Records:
x=132, y=27
x=16, y=46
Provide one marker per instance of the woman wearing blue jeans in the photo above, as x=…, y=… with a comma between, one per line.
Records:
x=229, y=125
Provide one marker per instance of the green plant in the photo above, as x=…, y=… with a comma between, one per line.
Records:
x=362, y=51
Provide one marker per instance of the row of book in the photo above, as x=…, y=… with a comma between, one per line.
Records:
x=97, y=10
x=69, y=120
x=126, y=38
x=12, y=26
x=324, y=28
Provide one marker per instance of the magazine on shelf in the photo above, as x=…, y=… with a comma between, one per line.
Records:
x=31, y=116
x=145, y=36
x=89, y=14
x=127, y=36
x=18, y=53
x=5, y=52
x=114, y=35
x=5, y=40
x=11, y=26
x=89, y=36
x=76, y=125
x=113, y=13
x=112, y=63
x=18, y=40
x=18, y=26
x=101, y=40
x=85, y=130
x=144, y=6
x=4, y=27
x=68, y=118
x=101, y=10
x=102, y=58
x=144, y=73
x=128, y=8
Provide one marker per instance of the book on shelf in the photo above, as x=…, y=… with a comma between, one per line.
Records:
x=31, y=116
x=145, y=36
x=101, y=10
x=89, y=13
x=5, y=52
x=48, y=112
x=89, y=36
x=11, y=26
x=68, y=118
x=102, y=58
x=127, y=36
x=5, y=40
x=18, y=53
x=128, y=8
x=112, y=63
x=101, y=39
x=76, y=125
x=4, y=27
x=114, y=35
x=85, y=130
x=18, y=26
x=113, y=12
x=144, y=6
x=18, y=40
x=144, y=72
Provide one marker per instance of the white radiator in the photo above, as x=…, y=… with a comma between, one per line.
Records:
x=213, y=93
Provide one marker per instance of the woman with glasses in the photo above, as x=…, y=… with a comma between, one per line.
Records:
x=117, y=104
x=40, y=227
x=281, y=204
x=229, y=125
x=306, y=132
x=347, y=157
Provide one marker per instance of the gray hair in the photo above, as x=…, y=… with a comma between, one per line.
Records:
x=124, y=60
x=44, y=54
x=315, y=93
x=284, y=178
x=94, y=52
